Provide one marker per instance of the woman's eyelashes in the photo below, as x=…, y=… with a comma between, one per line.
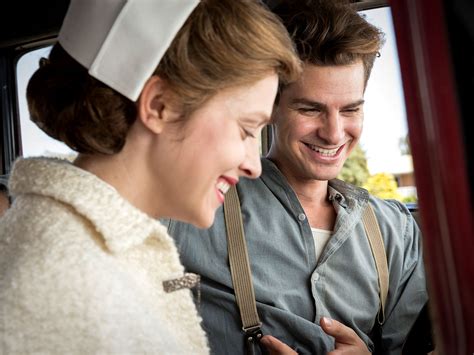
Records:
x=247, y=133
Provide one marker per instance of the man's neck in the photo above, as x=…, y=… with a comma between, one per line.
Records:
x=312, y=192
x=314, y=198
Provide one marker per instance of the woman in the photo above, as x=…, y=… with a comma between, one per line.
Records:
x=164, y=101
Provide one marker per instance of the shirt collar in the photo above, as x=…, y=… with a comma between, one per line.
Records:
x=346, y=195
x=121, y=224
x=271, y=174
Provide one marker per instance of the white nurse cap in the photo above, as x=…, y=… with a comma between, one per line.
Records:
x=121, y=42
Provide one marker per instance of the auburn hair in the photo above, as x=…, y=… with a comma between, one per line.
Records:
x=223, y=43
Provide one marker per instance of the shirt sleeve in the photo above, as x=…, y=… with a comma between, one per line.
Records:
x=407, y=292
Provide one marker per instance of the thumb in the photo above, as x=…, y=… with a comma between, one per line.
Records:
x=342, y=333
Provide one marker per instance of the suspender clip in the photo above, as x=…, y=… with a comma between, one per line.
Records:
x=252, y=338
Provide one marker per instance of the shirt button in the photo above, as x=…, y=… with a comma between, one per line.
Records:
x=302, y=217
x=315, y=276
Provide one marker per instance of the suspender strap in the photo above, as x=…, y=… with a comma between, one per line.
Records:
x=374, y=236
x=242, y=276
x=240, y=267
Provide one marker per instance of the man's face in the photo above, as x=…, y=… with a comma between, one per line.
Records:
x=318, y=121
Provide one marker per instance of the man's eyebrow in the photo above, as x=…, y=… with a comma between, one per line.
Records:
x=353, y=104
x=308, y=103
x=321, y=106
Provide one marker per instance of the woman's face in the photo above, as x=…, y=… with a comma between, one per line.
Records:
x=218, y=143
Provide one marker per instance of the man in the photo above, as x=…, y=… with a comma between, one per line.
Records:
x=309, y=254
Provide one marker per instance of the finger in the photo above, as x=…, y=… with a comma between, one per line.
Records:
x=339, y=352
x=339, y=331
x=351, y=350
x=276, y=347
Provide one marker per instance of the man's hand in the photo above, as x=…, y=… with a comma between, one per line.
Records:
x=276, y=347
x=347, y=341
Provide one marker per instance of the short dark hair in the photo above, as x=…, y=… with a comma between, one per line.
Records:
x=330, y=32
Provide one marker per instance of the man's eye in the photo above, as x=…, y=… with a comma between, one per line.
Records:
x=351, y=110
x=308, y=110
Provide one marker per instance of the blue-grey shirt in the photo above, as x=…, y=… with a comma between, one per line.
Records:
x=294, y=290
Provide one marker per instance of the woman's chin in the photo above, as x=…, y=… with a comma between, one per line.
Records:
x=199, y=220
x=204, y=222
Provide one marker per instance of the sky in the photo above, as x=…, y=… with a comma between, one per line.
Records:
x=385, y=117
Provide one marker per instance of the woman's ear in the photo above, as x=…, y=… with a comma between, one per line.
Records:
x=154, y=104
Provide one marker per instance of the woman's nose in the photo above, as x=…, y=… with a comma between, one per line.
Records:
x=251, y=166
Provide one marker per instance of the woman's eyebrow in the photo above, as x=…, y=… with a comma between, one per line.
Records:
x=256, y=118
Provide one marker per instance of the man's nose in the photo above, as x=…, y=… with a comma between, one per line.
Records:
x=332, y=130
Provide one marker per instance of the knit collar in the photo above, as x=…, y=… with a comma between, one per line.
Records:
x=121, y=224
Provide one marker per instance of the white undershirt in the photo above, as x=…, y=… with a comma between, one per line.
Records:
x=321, y=237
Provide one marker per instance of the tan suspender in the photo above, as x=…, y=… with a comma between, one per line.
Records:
x=240, y=267
x=239, y=261
x=372, y=230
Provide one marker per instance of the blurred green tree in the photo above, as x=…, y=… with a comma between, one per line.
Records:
x=355, y=170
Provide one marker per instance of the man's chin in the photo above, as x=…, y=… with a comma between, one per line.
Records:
x=322, y=175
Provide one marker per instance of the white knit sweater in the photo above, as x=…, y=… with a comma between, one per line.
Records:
x=82, y=271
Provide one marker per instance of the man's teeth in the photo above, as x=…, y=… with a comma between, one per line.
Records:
x=223, y=187
x=325, y=152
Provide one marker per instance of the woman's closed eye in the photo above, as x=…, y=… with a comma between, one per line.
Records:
x=252, y=125
x=246, y=133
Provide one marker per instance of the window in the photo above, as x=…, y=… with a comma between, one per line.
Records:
x=34, y=141
x=385, y=136
x=384, y=142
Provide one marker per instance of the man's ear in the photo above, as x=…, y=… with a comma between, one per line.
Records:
x=154, y=105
